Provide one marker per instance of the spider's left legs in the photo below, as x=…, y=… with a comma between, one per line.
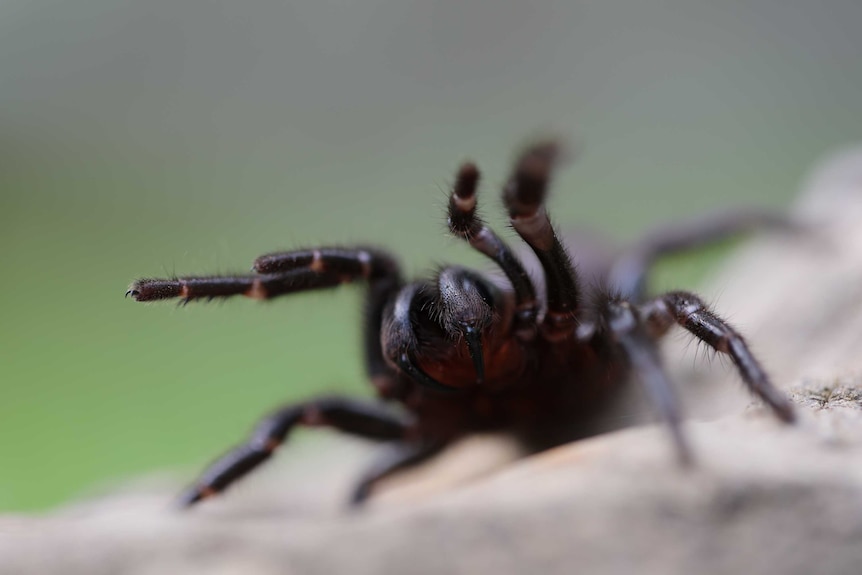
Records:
x=348, y=415
x=639, y=349
x=689, y=311
x=394, y=458
x=629, y=273
x=465, y=223
x=524, y=197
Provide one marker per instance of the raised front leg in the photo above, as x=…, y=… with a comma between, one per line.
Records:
x=465, y=223
x=524, y=197
x=347, y=415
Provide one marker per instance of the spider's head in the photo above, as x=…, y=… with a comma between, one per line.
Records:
x=451, y=333
x=465, y=307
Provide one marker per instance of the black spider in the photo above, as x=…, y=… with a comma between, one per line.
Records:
x=463, y=353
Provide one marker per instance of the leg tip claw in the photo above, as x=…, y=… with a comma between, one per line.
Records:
x=194, y=495
x=154, y=289
x=787, y=414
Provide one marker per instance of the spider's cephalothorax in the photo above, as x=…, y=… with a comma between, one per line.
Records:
x=465, y=353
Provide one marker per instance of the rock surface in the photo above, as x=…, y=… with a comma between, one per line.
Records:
x=764, y=498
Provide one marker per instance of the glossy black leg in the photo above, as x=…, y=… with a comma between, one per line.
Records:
x=394, y=458
x=524, y=196
x=283, y=273
x=465, y=223
x=348, y=415
x=278, y=274
x=690, y=312
x=264, y=286
x=629, y=273
x=642, y=355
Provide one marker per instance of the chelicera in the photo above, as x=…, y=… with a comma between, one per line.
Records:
x=463, y=353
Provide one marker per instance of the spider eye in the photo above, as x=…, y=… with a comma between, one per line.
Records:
x=485, y=293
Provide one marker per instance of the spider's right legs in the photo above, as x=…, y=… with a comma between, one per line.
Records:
x=629, y=272
x=642, y=354
x=689, y=312
x=348, y=415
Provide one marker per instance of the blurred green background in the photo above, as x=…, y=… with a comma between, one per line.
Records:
x=152, y=138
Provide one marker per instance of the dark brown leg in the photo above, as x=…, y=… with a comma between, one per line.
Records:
x=348, y=415
x=465, y=223
x=687, y=310
x=524, y=196
x=283, y=273
x=279, y=274
x=642, y=355
x=629, y=273
x=369, y=263
x=257, y=287
x=393, y=459
x=384, y=279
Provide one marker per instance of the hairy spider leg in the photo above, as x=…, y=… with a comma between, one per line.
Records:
x=264, y=286
x=395, y=457
x=690, y=312
x=629, y=273
x=465, y=223
x=347, y=415
x=278, y=274
x=634, y=340
x=283, y=273
x=524, y=197
x=384, y=279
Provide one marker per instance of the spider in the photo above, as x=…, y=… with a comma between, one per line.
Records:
x=463, y=353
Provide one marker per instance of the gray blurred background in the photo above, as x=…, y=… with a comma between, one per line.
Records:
x=161, y=137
